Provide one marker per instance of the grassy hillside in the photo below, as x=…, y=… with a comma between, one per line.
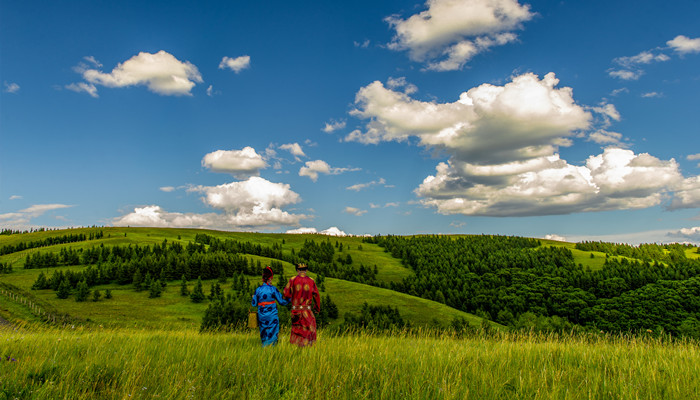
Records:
x=129, y=308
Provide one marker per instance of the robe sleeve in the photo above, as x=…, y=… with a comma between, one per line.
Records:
x=279, y=298
x=288, y=289
x=255, y=299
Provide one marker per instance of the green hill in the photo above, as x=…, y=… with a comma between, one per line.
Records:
x=129, y=308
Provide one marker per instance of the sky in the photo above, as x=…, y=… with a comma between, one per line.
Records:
x=552, y=119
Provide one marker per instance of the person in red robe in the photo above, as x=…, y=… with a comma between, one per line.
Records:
x=304, y=295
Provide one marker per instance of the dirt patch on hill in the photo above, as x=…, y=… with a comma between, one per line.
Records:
x=4, y=323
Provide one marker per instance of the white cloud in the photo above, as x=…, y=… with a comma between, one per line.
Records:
x=313, y=168
x=694, y=157
x=362, y=45
x=555, y=237
x=604, y=137
x=684, y=45
x=15, y=197
x=333, y=231
x=248, y=204
x=210, y=91
x=502, y=143
x=619, y=91
x=236, y=65
x=295, y=149
x=22, y=218
x=354, y=211
x=361, y=186
x=652, y=94
x=625, y=74
x=616, y=179
x=687, y=194
x=302, y=231
x=11, y=87
x=333, y=126
x=83, y=87
x=167, y=189
x=690, y=234
x=241, y=163
x=401, y=82
x=161, y=73
x=450, y=32
x=524, y=119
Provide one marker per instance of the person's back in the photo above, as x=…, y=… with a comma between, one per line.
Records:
x=264, y=299
x=304, y=294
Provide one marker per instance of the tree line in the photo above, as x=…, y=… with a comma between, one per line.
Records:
x=516, y=282
x=50, y=241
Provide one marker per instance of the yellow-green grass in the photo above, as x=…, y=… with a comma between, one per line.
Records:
x=134, y=364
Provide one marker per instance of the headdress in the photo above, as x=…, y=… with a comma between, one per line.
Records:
x=302, y=267
x=267, y=274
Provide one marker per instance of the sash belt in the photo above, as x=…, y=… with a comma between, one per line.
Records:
x=301, y=307
x=265, y=303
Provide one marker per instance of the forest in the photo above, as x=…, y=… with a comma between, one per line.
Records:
x=517, y=282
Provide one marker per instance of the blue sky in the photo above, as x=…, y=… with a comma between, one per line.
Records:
x=576, y=120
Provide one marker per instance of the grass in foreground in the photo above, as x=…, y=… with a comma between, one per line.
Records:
x=120, y=364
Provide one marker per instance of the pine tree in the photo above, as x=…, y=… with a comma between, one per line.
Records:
x=197, y=295
x=41, y=282
x=222, y=276
x=108, y=294
x=147, y=281
x=96, y=295
x=155, y=289
x=137, y=280
x=82, y=291
x=281, y=282
x=183, y=287
x=63, y=289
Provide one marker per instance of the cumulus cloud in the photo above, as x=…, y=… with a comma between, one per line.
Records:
x=555, y=237
x=689, y=234
x=684, y=45
x=687, y=194
x=333, y=126
x=253, y=203
x=240, y=163
x=524, y=119
x=11, y=87
x=161, y=73
x=450, y=32
x=616, y=179
x=354, y=211
x=236, y=65
x=313, y=168
x=295, y=149
x=332, y=231
x=502, y=145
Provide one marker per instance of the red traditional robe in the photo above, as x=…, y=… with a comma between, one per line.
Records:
x=302, y=290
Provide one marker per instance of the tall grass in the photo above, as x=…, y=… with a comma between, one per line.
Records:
x=131, y=364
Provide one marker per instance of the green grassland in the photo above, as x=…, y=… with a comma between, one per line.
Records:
x=129, y=308
x=156, y=364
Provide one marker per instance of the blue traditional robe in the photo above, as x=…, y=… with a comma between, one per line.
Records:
x=268, y=321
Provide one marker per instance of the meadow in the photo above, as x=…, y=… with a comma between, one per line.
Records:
x=79, y=363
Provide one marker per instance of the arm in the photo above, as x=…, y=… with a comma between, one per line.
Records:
x=255, y=299
x=279, y=298
x=288, y=289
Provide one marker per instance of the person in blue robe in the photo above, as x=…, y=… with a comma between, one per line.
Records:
x=264, y=298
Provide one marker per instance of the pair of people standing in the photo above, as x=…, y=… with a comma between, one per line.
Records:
x=301, y=290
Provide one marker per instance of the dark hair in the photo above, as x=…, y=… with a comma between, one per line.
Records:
x=267, y=274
